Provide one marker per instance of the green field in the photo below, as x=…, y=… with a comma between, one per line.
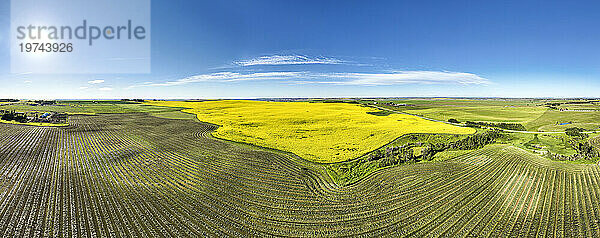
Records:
x=550, y=119
x=522, y=114
x=516, y=111
x=152, y=171
x=533, y=114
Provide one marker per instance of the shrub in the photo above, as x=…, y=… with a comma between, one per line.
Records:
x=574, y=131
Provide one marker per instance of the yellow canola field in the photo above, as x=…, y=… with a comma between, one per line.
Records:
x=319, y=132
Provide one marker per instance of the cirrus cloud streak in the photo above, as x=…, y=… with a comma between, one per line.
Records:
x=288, y=60
x=403, y=77
x=97, y=81
x=358, y=79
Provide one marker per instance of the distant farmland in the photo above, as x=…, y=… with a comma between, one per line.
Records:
x=133, y=175
x=133, y=170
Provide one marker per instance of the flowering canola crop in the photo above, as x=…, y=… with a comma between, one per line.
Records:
x=319, y=132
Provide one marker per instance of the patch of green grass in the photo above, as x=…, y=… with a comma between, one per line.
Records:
x=591, y=126
x=380, y=113
x=550, y=119
x=555, y=143
x=347, y=173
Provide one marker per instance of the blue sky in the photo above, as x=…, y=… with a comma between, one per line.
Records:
x=248, y=49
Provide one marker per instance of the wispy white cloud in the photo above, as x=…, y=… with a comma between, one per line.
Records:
x=359, y=79
x=27, y=81
x=97, y=81
x=402, y=77
x=83, y=88
x=105, y=89
x=288, y=60
x=229, y=77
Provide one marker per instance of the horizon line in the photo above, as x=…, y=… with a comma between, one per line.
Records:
x=267, y=98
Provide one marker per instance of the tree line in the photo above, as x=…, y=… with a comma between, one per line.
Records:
x=8, y=100
x=13, y=116
x=401, y=154
x=501, y=125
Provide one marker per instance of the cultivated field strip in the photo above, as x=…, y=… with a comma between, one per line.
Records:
x=139, y=176
x=595, y=142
